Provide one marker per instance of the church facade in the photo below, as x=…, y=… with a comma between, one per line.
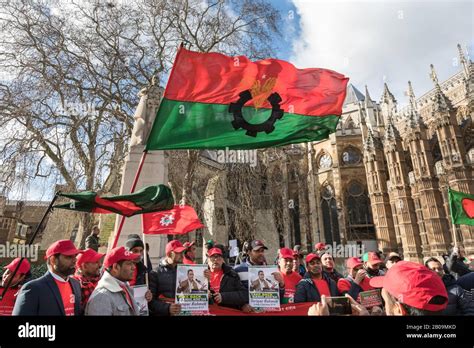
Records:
x=384, y=174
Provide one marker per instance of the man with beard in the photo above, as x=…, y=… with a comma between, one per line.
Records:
x=113, y=295
x=328, y=266
x=372, y=263
x=88, y=273
x=460, y=301
x=190, y=253
x=315, y=282
x=55, y=293
x=8, y=301
x=135, y=245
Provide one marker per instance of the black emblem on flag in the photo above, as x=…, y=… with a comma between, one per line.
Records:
x=252, y=129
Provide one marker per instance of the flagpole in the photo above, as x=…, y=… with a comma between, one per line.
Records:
x=46, y=213
x=132, y=189
x=455, y=238
x=145, y=260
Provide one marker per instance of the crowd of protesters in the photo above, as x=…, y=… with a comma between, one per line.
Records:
x=86, y=282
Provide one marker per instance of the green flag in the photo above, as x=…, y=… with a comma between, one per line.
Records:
x=462, y=207
x=148, y=199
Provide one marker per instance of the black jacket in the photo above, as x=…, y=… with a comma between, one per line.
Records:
x=306, y=291
x=460, y=301
x=162, y=283
x=42, y=297
x=233, y=293
x=455, y=266
x=141, y=273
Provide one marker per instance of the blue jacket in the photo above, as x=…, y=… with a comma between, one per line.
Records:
x=306, y=291
x=42, y=297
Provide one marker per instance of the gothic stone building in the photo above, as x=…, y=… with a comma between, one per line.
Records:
x=384, y=174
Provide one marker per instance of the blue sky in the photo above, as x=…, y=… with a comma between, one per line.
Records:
x=371, y=42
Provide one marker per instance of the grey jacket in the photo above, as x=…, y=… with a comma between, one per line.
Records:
x=109, y=298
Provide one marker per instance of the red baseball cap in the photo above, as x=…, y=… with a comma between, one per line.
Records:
x=372, y=258
x=214, y=251
x=310, y=257
x=64, y=246
x=24, y=267
x=176, y=246
x=353, y=262
x=286, y=253
x=413, y=284
x=320, y=246
x=119, y=254
x=188, y=245
x=88, y=255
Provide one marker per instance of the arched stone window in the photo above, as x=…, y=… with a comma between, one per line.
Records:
x=351, y=155
x=359, y=211
x=330, y=218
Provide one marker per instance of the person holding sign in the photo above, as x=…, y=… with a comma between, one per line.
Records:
x=225, y=286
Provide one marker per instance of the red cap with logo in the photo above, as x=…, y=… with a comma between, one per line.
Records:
x=88, y=255
x=214, y=251
x=413, y=284
x=353, y=262
x=311, y=257
x=286, y=253
x=64, y=246
x=119, y=254
x=24, y=267
x=176, y=246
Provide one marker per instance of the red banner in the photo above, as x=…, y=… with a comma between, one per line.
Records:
x=291, y=309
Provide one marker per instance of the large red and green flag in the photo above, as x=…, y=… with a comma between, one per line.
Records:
x=179, y=220
x=148, y=199
x=213, y=101
x=462, y=207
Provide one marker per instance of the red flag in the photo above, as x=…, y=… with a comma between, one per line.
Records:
x=179, y=220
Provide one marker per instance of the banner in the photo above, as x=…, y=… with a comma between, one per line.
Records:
x=191, y=289
x=139, y=292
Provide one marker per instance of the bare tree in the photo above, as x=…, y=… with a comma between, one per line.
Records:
x=71, y=73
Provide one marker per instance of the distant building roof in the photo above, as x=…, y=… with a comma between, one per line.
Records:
x=353, y=95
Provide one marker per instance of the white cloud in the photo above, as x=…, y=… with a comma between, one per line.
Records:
x=393, y=40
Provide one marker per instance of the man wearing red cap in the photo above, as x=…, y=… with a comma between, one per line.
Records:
x=372, y=264
x=55, y=293
x=357, y=280
x=189, y=253
x=411, y=289
x=315, y=282
x=88, y=273
x=163, y=281
x=8, y=301
x=225, y=286
x=286, y=261
x=113, y=295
